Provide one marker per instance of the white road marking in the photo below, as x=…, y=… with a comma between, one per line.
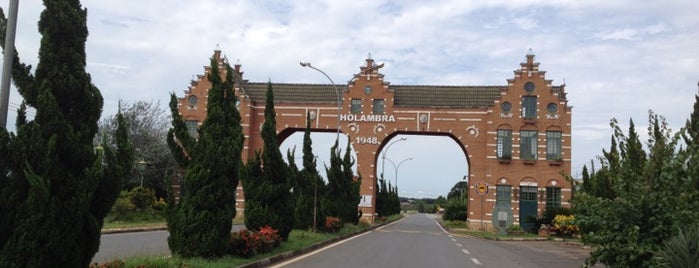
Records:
x=466, y=251
x=474, y=260
x=459, y=245
x=453, y=240
x=317, y=251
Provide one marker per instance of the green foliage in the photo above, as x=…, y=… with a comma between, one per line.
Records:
x=200, y=223
x=142, y=198
x=122, y=209
x=387, y=201
x=680, y=251
x=342, y=196
x=268, y=200
x=148, y=127
x=638, y=199
x=308, y=185
x=459, y=190
x=455, y=209
x=54, y=183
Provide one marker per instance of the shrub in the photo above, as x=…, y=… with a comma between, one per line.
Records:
x=564, y=225
x=455, y=209
x=243, y=244
x=680, y=251
x=142, y=198
x=159, y=205
x=123, y=207
x=247, y=244
x=333, y=224
x=269, y=239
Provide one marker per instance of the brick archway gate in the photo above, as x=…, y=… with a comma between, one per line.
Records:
x=510, y=133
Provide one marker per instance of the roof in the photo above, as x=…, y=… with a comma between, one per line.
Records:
x=405, y=96
x=446, y=96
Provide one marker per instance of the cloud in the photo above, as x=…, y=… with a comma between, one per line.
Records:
x=618, y=58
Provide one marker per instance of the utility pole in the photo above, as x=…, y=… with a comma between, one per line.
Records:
x=7, y=62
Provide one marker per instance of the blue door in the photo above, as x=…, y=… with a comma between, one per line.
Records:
x=527, y=207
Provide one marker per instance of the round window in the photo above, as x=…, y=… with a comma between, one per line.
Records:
x=552, y=108
x=192, y=100
x=529, y=87
x=506, y=107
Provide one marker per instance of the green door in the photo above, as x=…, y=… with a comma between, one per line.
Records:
x=527, y=207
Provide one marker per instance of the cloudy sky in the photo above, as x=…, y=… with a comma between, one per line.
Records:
x=619, y=58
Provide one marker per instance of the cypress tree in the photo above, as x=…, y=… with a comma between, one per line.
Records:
x=343, y=188
x=200, y=223
x=308, y=186
x=56, y=187
x=268, y=201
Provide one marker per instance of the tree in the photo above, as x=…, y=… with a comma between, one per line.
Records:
x=56, y=187
x=200, y=223
x=148, y=127
x=342, y=195
x=644, y=209
x=459, y=191
x=308, y=186
x=267, y=198
x=457, y=204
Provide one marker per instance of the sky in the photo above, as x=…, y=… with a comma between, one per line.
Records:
x=618, y=59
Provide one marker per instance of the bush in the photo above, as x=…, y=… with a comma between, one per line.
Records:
x=247, y=244
x=455, y=209
x=333, y=224
x=680, y=251
x=564, y=225
x=123, y=207
x=142, y=198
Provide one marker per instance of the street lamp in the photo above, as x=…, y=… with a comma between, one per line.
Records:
x=339, y=99
x=396, y=167
x=383, y=164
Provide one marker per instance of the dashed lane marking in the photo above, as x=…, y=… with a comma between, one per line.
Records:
x=466, y=251
x=459, y=245
x=474, y=260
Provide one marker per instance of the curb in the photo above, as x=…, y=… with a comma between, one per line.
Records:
x=290, y=254
x=134, y=229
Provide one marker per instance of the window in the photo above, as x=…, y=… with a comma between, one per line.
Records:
x=506, y=107
x=553, y=145
x=529, y=87
x=529, y=107
x=504, y=149
x=553, y=197
x=192, y=126
x=356, y=106
x=192, y=100
x=528, y=144
x=552, y=108
x=527, y=193
x=378, y=106
x=503, y=195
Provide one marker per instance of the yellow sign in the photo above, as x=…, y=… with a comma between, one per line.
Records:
x=481, y=188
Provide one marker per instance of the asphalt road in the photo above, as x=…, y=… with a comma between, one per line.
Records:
x=418, y=241
x=134, y=244
x=122, y=245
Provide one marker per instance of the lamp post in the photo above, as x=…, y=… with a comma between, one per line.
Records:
x=396, y=167
x=339, y=99
x=383, y=164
